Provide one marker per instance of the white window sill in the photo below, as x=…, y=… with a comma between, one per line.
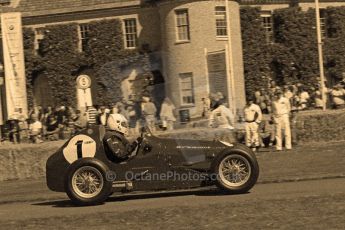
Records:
x=182, y=42
x=218, y=38
x=185, y=106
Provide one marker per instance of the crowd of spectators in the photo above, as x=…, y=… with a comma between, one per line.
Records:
x=61, y=122
x=302, y=97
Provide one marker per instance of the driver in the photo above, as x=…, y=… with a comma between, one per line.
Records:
x=115, y=140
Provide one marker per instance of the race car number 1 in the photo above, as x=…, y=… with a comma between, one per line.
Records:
x=78, y=147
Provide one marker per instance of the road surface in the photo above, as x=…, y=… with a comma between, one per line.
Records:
x=314, y=204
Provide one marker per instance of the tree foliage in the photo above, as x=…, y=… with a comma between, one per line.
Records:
x=60, y=60
x=293, y=56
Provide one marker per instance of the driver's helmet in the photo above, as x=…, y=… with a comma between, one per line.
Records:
x=118, y=122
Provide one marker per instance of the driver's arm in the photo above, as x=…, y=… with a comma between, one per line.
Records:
x=116, y=147
x=119, y=149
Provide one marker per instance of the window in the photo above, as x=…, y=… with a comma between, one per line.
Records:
x=5, y=2
x=83, y=36
x=267, y=23
x=39, y=36
x=186, y=88
x=323, y=23
x=130, y=32
x=221, y=21
x=182, y=25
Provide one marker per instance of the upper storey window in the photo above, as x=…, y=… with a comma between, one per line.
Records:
x=5, y=2
x=83, y=36
x=130, y=33
x=267, y=23
x=182, y=25
x=221, y=21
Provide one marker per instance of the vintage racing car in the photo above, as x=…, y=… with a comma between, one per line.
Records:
x=89, y=174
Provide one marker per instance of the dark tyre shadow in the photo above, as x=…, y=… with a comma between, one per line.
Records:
x=140, y=196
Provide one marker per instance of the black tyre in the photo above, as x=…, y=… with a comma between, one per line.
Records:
x=236, y=170
x=86, y=182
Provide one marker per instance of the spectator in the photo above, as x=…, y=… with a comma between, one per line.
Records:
x=272, y=88
x=114, y=109
x=132, y=121
x=281, y=110
x=252, y=117
x=60, y=114
x=206, y=106
x=47, y=113
x=221, y=117
x=318, y=99
x=266, y=131
x=14, y=131
x=304, y=98
x=221, y=98
x=53, y=129
x=102, y=117
x=167, y=114
x=295, y=103
x=91, y=115
x=80, y=121
x=288, y=92
x=35, y=129
x=23, y=125
x=216, y=100
x=149, y=113
x=261, y=100
x=337, y=94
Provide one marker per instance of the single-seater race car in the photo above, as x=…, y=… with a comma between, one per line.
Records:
x=89, y=174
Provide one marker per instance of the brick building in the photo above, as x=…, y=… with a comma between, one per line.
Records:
x=196, y=44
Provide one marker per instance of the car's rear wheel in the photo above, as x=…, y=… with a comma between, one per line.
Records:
x=236, y=171
x=86, y=182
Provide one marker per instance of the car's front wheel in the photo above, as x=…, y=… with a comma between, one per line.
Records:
x=86, y=182
x=236, y=171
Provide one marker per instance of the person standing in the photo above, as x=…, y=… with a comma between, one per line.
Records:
x=338, y=94
x=206, y=106
x=80, y=121
x=102, y=117
x=253, y=117
x=304, y=98
x=35, y=129
x=281, y=112
x=167, y=114
x=221, y=117
x=149, y=113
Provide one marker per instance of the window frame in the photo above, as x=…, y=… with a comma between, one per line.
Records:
x=269, y=30
x=83, y=36
x=218, y=14
x=323, y=26
x=186, y=25
x=129, y=42
x=185, y=75
x=39, y=36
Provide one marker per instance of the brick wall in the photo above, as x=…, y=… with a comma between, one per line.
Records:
x=190, y=56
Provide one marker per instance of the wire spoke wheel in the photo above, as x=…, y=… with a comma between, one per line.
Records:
x=234, y=170
x=87, y=182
